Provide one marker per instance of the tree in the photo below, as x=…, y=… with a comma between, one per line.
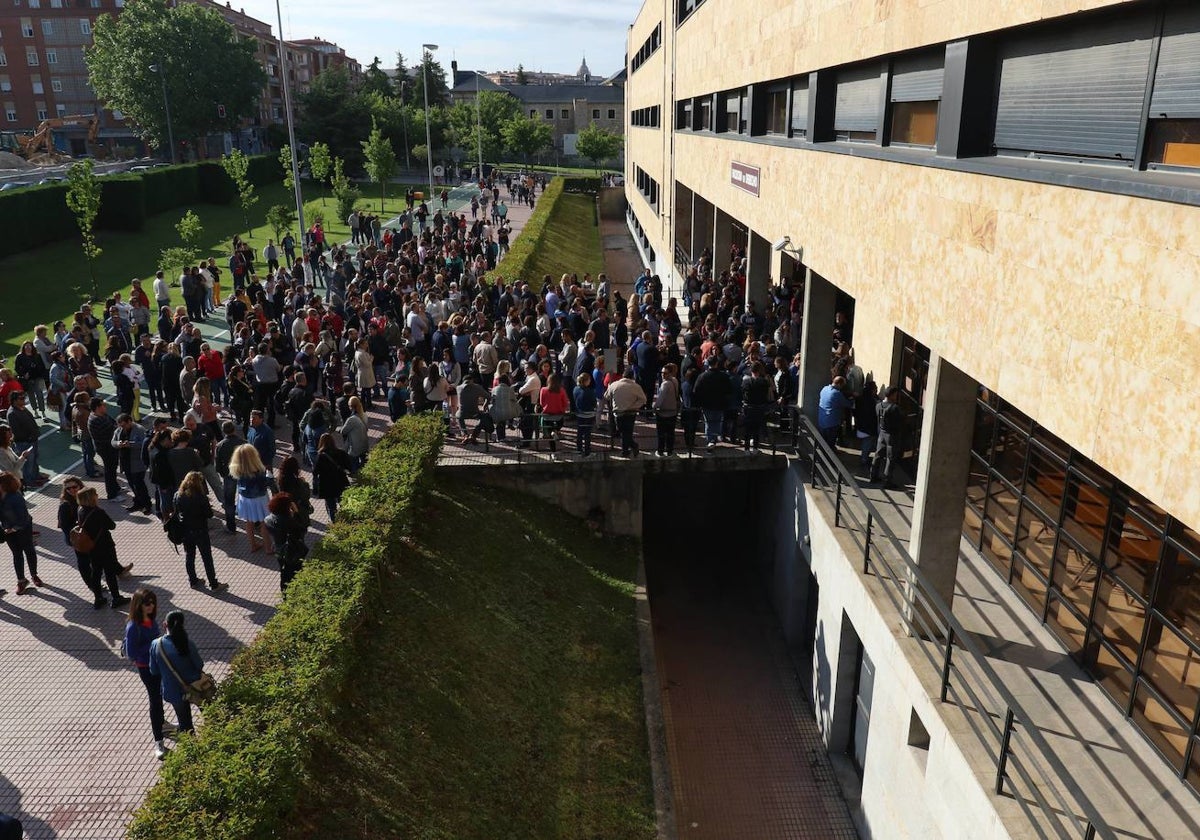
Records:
x=495, y=109
x=319, y=161
x=401, y=85
x=180, y=257
x=598, y=144
x=150, y=33
x=236, y=165
x=83, y=199
x=527, y=136
x=281, y=217
x=335, y=112
x=285, y=160
x=344, y=191
x=380, y=160
x=439, y=93
x=375, y=80
x=522, y=79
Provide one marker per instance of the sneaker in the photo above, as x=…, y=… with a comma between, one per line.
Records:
x=37, y=581
x=217, y=586
x=160, y=751
x=711, y=447
x=120, y=601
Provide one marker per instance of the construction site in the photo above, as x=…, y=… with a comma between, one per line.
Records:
x=41, y=156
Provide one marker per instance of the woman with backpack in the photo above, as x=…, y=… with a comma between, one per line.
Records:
x=93, y=536
x=192, y=510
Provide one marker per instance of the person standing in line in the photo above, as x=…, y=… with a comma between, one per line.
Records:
x=253, y=485
x=287, y=525
x=140, y=632
x=193, y=509
x=17, y=523
x=128, y=440
x=173, y=654
x=756, y=400
x=98, y=525
x=666, y=411
x=625, y=398
x=866, y=422
x=331, y=474
x=162, y=292
x=891, y=428
x=223, y=455
x=585, y=413
x=832, y=409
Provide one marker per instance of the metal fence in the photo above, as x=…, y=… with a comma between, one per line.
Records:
x=1036, y=779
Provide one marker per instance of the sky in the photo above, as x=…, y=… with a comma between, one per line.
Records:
x=549, y=35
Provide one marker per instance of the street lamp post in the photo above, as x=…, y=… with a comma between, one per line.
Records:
x=404, y=119
x=162, y=77
x=479, y=124
x=429, y=48
x=287, y=110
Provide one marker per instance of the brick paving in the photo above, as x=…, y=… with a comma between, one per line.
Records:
x=747, y=760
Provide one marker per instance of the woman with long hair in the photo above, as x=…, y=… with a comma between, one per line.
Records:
x=241, y=396
x=140, y=632
x=32, y=374
x=553, y=406
x=286, y=524
x=98, y=525
x=17, y=523
x=174, y=654
x=354, y=433
x=289, y=480
x=193, y=509
x=331, y=474
x=68, y=516
x=253, y=485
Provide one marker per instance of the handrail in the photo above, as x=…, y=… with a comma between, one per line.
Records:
x=914, y=590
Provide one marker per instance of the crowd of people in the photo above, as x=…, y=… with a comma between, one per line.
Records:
x=410, y=317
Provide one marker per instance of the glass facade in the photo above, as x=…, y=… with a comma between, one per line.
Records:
x=1113, y=575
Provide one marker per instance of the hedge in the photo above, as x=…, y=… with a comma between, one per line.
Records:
x=516, y=264
x=265, y=733
x=582, y=185
x=37, y=216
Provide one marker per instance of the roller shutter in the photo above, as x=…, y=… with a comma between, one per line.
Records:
x=857, y=99
x=918, y=78
x=1177, y=79
x=1075, y=92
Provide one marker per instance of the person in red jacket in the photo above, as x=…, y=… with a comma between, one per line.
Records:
x=211, y=365
x=553, y=405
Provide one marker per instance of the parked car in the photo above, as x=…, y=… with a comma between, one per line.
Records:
x=13, y=185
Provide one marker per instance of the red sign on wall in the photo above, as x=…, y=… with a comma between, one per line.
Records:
x=744, y=177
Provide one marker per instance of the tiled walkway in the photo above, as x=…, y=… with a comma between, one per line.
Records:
x=746, y=758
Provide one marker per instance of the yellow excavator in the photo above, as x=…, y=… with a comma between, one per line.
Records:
x=39, y=148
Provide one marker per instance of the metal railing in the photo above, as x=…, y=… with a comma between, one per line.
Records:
x=1039, y=782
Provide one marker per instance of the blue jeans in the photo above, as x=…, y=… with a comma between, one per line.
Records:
x=29, y=470
x=714, y=423
x=89, y=458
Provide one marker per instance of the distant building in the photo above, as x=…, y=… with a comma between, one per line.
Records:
x=569, y=105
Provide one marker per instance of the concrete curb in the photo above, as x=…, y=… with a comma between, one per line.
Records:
x=656, y=732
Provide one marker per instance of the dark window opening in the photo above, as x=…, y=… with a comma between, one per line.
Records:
x=915, y=123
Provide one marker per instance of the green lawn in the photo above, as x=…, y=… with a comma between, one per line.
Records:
x=45, y=284
x=572, y=240
x=499, y=694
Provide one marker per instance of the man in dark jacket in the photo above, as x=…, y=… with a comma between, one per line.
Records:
x=102, y=427
x=128, y=440
x=711, y=394
x=891, y=428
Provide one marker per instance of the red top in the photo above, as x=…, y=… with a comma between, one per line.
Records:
x=211, y=364
x=553, y=402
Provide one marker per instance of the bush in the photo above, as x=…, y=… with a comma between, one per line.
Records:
x=582, y=185
x=215, y=186
x=122, y=203
x=34, y=216
x=264, y=169
x=314, y=211
x=517, y=264
x=347, y=197
x=169, y=187
x=271, y=723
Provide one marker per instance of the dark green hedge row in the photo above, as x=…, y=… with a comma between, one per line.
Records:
x=264, y=735
x=518, y=262
x=582, y=185
x=38, y=215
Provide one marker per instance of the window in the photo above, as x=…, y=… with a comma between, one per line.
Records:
x=647, y=186
x=856, y=111
x=3, y=58
x=800, y=107
x=5, y=84
x=532, y=113
x=776, y=110
x=37, y=84
x=10, y=112
x=27, y=27
x=95, y=4
x=915, y=123
x=60, y=110
x=644, y=117
x=612, y=113
x=706, y=123
x=565, y=114
x=684, y=9
x=52, y=56
x=33, y=4
x=683, y=116
x=1173, y=143
x=31, y=57
x=916, y=94
x=549, y=113
x=648, y=48
x=56, y=85
x=85, y=26
x=735, y=112
x=42, y=113
x=595, y=113
x=47, y=27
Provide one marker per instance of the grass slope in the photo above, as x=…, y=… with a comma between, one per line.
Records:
x=499, y=696
x=38, y=286
x=572, y=240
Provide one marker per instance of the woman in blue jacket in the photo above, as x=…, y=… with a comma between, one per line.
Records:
x=176, y=650
x=140, y=633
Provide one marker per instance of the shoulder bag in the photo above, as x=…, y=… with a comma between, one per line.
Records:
x=81, y=540
x=197, y=693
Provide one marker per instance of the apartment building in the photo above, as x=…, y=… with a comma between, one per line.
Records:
x=1001, y=198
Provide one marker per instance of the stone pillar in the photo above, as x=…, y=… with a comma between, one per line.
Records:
x=722, y=239
x=758, y=272
x=816, y=343
x=941, y=485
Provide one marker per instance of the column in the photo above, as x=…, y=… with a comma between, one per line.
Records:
x=758, y=272
x=722, y=239
x=816, y=343
x=941, y=484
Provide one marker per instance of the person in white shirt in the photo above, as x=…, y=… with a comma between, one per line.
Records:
x=162, y=293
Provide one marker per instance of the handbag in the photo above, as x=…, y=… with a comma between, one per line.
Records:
x=91, y=382
x=198, y=692
x=81, y=540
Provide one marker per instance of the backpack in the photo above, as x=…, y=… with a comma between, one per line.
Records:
x=81, y=540
x=160, y=469
x=174, y=527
